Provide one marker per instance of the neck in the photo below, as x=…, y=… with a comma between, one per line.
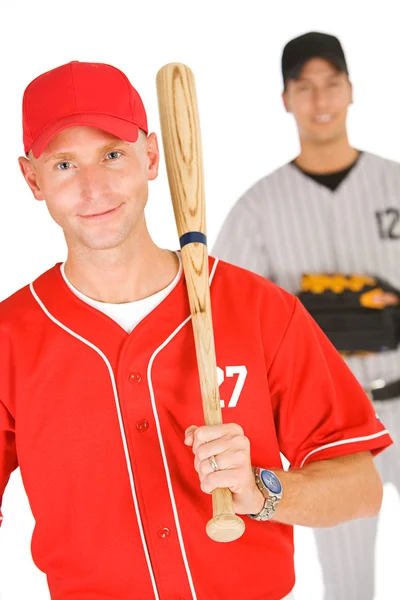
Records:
x=128, y=273
x=326, y=158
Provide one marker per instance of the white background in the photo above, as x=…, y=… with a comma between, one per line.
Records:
x=234, y=49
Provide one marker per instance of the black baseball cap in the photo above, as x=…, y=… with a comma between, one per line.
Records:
x=311, y=45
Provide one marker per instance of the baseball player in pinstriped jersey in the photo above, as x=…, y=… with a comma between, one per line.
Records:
x=333, y=209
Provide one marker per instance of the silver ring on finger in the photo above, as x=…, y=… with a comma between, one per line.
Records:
x=213, y=463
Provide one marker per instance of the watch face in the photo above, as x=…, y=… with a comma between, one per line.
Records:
x=271, y=481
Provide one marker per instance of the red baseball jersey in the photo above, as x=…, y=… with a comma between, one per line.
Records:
x=95, y=419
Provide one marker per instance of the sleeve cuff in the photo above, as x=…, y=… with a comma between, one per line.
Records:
x=375, y=442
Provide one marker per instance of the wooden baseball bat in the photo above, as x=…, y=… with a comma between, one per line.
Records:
x=182, y=148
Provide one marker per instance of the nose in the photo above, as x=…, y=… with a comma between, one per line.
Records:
x=320, y=99
x=93, y=183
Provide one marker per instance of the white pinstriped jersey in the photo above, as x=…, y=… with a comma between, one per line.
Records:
x=287, y=224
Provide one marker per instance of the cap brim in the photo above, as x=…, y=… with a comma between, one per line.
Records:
x=122, y=129
x=295, y=71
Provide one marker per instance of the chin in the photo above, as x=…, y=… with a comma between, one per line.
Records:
x=103, y=243
x=327, y=137
x=329, y=134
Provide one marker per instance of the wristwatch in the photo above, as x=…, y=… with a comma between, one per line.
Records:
x=271, y=488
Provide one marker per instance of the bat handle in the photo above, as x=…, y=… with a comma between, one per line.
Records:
x=225, y=526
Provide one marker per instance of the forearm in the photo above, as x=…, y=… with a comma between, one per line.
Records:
x=324, y=493
x=329, y=492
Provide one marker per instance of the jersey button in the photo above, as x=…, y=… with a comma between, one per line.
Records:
x=142, y=425
x=135, y=377
x=164, y=532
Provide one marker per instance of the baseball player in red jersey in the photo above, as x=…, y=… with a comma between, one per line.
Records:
x=99, y=390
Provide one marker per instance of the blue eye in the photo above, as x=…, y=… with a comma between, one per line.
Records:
x=113, y=155
x=64, y=166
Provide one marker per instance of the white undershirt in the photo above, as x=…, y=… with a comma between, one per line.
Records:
x=127, y=314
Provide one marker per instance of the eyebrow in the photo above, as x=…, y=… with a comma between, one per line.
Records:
x=112, y=145
x=61, y=156
x=72, y=155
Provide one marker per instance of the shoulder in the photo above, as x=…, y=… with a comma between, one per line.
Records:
x=267, y=186
x=20, y=309
x=15, y=306
x=239, y=287
x=17, y=315
x=385, y=165
x=251, y=311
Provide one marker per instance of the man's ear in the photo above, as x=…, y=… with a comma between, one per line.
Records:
x=351, y=92
x=285, y=101
x=153, y=156
x=29, y=172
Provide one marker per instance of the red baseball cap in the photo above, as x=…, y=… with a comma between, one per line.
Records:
x=79, y=93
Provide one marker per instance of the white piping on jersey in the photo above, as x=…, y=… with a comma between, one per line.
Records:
x=341, y=442
x=164, y=457
x=162, y=447
x=216, y=261
x=121, y=426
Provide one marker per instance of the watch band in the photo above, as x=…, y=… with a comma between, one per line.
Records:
x=271, y=500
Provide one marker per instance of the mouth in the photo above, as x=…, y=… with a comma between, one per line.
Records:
x=323, y=119
x=101, y=215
